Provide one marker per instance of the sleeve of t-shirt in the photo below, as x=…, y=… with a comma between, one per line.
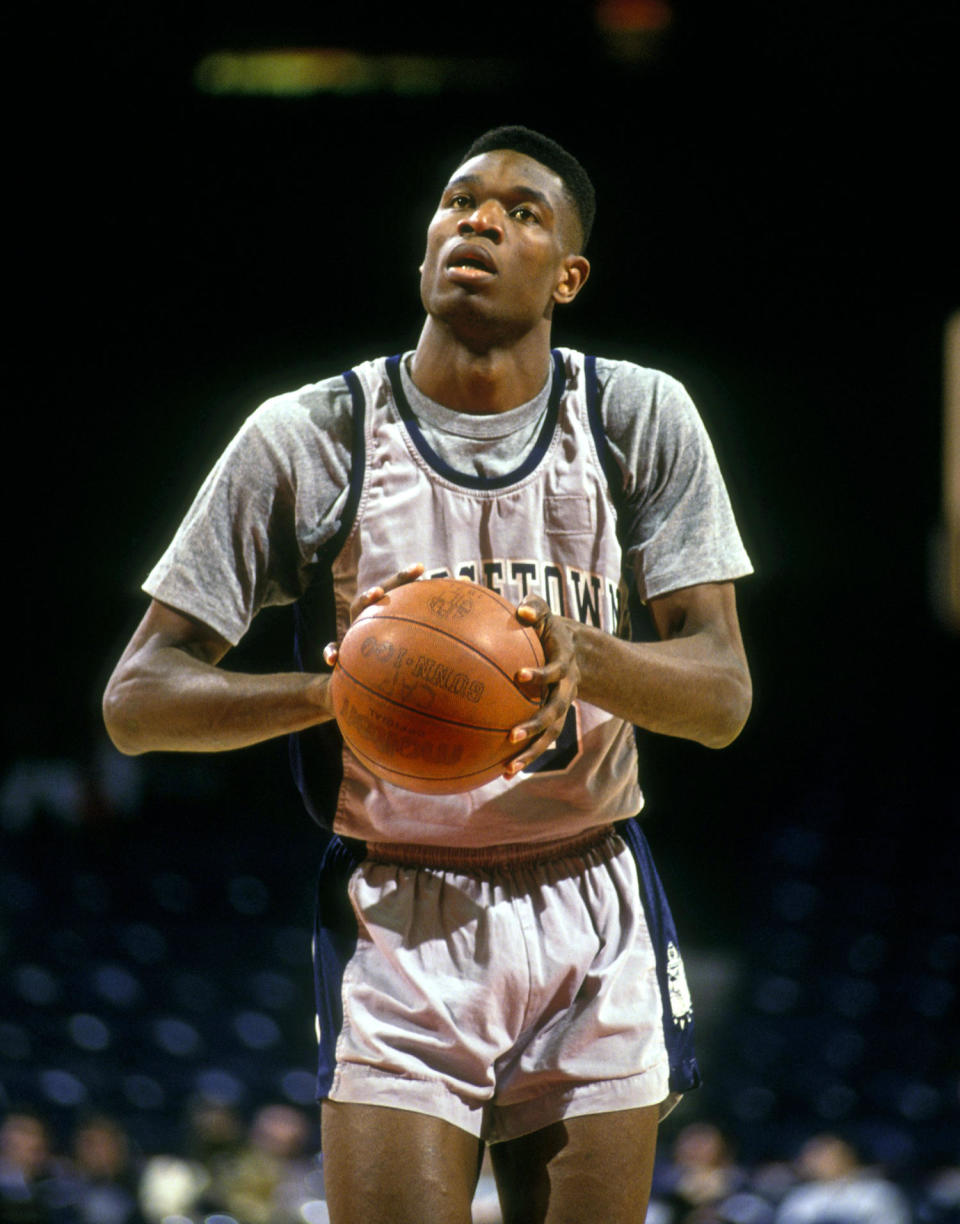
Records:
x=271, y=501
x=678, y=524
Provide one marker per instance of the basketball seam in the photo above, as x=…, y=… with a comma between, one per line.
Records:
x=411, y=620
x=439, y=718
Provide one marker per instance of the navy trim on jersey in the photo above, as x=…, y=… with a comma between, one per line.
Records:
x=358, y=466
x=604, y=454
x=639, y=624
x=443, y=469
x=316, y=752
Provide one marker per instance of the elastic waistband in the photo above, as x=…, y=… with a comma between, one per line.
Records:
x=466, y=858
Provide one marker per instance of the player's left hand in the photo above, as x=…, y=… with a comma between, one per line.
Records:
x=559, y=678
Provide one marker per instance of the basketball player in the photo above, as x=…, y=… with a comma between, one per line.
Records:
x=497, y=968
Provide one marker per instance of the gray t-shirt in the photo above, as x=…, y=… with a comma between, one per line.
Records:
x=279, y=491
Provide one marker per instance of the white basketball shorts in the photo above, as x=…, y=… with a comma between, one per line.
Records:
x=501, y=999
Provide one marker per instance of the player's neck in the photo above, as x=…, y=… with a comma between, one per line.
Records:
x=488, y=381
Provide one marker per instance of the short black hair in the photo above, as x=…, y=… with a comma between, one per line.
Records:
x=550, y=154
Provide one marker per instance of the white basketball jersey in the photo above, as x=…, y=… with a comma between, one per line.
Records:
x=549, y=527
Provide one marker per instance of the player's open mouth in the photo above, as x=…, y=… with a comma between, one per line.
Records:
x=470, y=262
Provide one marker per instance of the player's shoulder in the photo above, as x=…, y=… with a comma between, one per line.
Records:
x=634, y=399
x=315, y=405
x=621, y=377
x=289, y=430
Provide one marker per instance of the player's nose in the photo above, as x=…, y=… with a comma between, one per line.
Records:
x=483, y=222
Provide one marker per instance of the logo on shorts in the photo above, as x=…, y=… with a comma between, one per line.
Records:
x=681, y=1004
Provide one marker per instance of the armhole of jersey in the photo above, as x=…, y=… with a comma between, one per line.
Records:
x=315, y=753
x=611, y=470
x=315, y=607
x=604, y=454
x=358, y=465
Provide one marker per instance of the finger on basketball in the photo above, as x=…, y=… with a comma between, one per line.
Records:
x=374, y=594
x=529, y=754
x=550, y=674
x=546, y=723
x=409, y=574
x=533, y=610
x=364, y=600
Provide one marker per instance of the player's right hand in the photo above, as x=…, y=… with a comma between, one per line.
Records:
x=370, y=596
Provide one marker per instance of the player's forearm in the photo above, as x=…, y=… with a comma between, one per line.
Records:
x=168, y=701
x=685, y=686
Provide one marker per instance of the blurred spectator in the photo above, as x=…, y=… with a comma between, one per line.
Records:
x=269, y=1174
x=271, y=1177
x=35, y=788
x=188, y=1184
x=939, y=1201
x=700, y=1175
x=171, y=1188
x=34, y=1183
x=838, y=1189
x=107, y=1176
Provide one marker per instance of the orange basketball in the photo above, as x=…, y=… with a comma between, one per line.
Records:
x=423, y=687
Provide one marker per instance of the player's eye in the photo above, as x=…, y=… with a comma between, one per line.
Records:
x=459, y=201
x=523, y=213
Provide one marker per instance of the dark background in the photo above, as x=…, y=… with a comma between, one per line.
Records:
x=776, y=226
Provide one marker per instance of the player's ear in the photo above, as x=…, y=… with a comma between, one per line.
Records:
x=573, y=276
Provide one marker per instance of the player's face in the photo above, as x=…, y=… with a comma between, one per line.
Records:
x=501, y=247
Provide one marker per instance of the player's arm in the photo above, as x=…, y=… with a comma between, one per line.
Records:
x=168, y=694
x=693, y=683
